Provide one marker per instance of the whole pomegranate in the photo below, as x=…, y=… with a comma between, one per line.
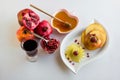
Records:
x=28, y=18
x=43, y=29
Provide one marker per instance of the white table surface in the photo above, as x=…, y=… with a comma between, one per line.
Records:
x=13, y=64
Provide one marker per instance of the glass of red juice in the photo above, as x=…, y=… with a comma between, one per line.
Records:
x=30, y=46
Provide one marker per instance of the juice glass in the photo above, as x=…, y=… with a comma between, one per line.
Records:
x=30, y=46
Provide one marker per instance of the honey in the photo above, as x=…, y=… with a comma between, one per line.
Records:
x=62, y=15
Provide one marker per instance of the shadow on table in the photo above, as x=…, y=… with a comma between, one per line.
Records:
x=12, y=34
x=60, y=63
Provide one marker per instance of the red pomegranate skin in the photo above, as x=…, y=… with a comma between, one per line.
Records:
x=28, y=18
x=43, y=29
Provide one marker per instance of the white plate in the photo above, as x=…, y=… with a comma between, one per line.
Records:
x=70, y=38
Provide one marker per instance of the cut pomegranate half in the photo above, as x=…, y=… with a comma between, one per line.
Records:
x=28, y=18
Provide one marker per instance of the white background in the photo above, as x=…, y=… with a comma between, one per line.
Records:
x=13, y=64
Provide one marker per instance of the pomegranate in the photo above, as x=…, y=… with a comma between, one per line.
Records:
x=23, y=33
x=28, y=18
x=50, y=46
x=43, y=29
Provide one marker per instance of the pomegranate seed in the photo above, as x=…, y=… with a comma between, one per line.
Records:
x=75, y=41
x=88, y=55
x=93, y=34
x=75, y=53
x=78, y=43
x=70, y=61
x=93, y=39
x=23, y=14
x=73, y=63
x=68, y=58
x=83, y=48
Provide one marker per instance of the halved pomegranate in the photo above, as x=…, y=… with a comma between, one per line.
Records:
x=43, y=29
x=50, y=46
x=28, y=18
x=24, y=33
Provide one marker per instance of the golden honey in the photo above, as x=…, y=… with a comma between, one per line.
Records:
x=66, y=18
